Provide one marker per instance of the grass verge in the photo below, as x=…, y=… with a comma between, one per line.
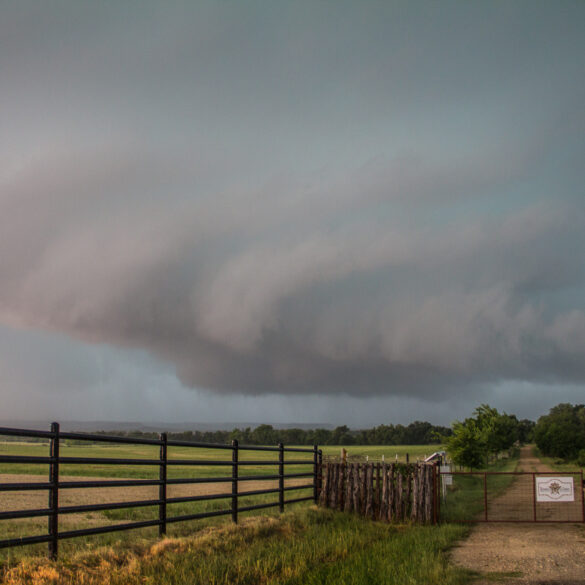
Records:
x=555, y=463
x=306, y=546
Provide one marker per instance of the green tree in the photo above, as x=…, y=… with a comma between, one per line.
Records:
x=319, y=437
x=488, y=432
x=264, y=435
x=499, y=431
x=561, y=433
x=419, y=433
x=525, y=430
x=467, y=445
x=341, y=436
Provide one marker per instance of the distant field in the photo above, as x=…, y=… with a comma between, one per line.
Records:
x=151, y=452
x=141, y=452
x=388, y=451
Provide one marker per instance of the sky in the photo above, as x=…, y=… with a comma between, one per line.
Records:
x=269, y=211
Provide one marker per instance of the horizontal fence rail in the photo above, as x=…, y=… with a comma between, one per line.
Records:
x=235, y=476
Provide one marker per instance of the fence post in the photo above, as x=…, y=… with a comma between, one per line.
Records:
x=436, y=493
x=235, y=481
x=582, y=496
x=281, y=476
x=54, y=492
x=162, y=488
x=317, y=457
x=534, y=494
x=485, y=496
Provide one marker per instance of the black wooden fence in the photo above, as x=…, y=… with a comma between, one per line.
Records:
x=55, y=485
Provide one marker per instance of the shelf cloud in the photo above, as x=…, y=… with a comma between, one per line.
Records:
x=249, y=291
x=336, y=199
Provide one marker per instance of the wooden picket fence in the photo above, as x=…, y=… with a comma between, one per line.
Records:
x=392, y=492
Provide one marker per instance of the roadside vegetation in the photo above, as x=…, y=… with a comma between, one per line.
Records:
x=560, y=435
x=556, y=463
x=303, y=547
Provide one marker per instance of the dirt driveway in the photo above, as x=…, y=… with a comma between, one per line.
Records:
x=520, y=554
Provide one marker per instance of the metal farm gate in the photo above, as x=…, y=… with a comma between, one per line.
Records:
x=511, y=497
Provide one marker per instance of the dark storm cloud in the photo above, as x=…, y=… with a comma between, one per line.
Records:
x=383, y=200
x=239, y=302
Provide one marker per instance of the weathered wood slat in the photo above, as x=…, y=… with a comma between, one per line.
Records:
x=324, y=485
x=408, y=494
x=429, y=494
x=356, y=488
x=348, y=498
x=399, y=515
x=389, y=492
x=333, y=498
x=369, y=512
x=415, y=491
x=341, y=486
x=383, y=514
x=363, y=479
x=378, y=493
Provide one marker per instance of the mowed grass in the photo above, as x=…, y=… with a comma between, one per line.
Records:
x=303, y=547
x=390, y=452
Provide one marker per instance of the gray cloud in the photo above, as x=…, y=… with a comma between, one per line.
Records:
x=367, y=201
x=237, y=304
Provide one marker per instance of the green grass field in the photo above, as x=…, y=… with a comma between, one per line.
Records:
x=304, y=547
x=27, y=500
x=375, y=452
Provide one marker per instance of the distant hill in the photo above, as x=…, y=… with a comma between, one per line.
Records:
x=100, y=425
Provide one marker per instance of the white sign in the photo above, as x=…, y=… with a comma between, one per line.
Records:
x=446, y=477
x=555, y=489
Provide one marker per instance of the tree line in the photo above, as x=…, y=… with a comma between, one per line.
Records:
x=416, y=433
x=470, y=443
x=561, y=433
